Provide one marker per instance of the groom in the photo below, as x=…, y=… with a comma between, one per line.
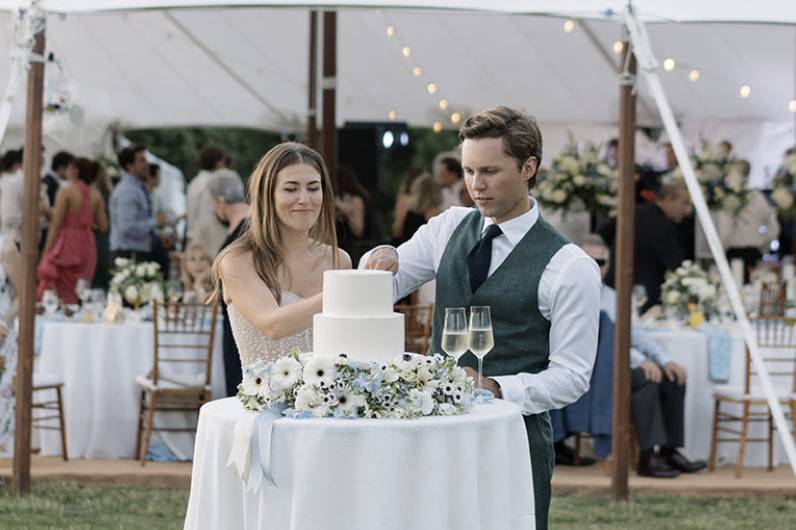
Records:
x=543, y=290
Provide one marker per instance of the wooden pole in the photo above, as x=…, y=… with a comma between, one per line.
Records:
x=312, y=89
x=624, y=276
x=330, y=93
x=29, y=249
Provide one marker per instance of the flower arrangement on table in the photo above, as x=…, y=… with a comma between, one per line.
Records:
x=578, y=179
x=784, y=185
x=722, y=184
x=690, y=294
x=320, y=386
x=137, y=283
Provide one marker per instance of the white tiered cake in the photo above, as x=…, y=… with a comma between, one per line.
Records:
x=358, y=318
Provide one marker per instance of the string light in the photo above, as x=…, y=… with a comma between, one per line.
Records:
x=693, y=75
x=569, y=25
x=432, y=88
x=392, y=115
x=745, y=91
x=437, y=127
x=417, y=71
x=443, y=104
x=407, y=51
x=456, y=118
x=669, y=64
x=792, y=105
x=618, y=46
x=390, y=31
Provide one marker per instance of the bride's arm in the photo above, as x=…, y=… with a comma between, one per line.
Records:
x=244, y=288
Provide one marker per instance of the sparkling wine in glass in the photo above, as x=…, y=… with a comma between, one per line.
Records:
x=481, y=338
x=455, y=339
x=83, y=291
x=50, y=302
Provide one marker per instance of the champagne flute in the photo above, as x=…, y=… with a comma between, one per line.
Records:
x=454, y=333
x=50, y=302
x=481, y=337
x=83, y=291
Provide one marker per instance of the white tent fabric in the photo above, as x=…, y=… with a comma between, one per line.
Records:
x=144, y=68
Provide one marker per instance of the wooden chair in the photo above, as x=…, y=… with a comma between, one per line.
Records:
x=772, y=300
x=417, y=326
x=43, y=383
x=773, y=335
x=183, y=335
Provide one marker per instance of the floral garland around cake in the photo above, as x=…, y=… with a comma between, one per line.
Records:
x=137, y=283
x=321, y=386
x=578, y=179
x=688, y=290
x=784, y=185
x=722, y=184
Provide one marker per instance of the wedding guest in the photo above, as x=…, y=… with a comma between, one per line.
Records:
x=426, y=203
x=449, y=173
x=195, y=273
x=102, y=276
x=271, y=278
x=504, y=255
x=52, y=180
x=656, y=244
x=403, y=200
x=354, y=223
x=70, y=253
x=132, y=221
x=202, y=224
x=164, y=237
x=228, y=199
x=749, y=233
x=10, y=275
x=725, y=150
x=657, y=401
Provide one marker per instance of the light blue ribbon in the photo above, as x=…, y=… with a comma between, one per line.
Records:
x=262, y=433
x=719, y=353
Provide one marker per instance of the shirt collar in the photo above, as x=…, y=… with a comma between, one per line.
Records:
x=516, y=228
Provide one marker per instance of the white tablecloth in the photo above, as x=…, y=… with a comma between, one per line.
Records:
x=98, y=364
x=689, y=348
x=468, y=472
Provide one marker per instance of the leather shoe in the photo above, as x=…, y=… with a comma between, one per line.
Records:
x=565, y=456
x=655, y=466
x=676, y=460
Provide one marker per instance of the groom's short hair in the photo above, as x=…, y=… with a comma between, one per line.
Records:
x=520, y=133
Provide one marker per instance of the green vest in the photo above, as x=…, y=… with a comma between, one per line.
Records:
x=521, y=332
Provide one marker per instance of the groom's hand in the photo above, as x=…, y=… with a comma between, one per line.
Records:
x=486, y=382
x=383, y=259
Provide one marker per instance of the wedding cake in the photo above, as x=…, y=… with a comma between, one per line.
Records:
x=358, y=318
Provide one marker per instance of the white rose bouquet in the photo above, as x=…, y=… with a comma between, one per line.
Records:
x=784, y=185
x=137, y=283
x=722, y=184
x=578, y=179
x=318, y=386
x=687, y=290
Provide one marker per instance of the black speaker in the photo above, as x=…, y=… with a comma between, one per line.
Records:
x=361, y=146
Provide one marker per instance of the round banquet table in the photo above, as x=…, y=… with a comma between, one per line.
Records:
x=468, y=472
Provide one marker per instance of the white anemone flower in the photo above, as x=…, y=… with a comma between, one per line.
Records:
x=286, y=373
x=423, y=400
x=320, y=371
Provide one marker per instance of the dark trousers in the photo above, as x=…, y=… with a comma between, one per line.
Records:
x=540, y=440
x=657, y=410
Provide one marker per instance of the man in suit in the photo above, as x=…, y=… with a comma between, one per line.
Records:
x=543, y=290
x=656, y=245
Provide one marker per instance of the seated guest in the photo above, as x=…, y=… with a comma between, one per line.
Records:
x=195, y=273
x=657, y=391
x=749, y=233
x=70, y=253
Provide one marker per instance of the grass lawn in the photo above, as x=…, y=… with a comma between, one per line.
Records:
x=70, y=506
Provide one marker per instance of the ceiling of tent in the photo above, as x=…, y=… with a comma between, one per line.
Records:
x=162, y=68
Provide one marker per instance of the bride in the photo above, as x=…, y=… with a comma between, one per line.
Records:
x=271, y=278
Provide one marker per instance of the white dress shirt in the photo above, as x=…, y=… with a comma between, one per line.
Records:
x=569, y=297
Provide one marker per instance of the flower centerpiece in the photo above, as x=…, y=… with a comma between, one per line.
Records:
x=784, y=185
x=722, y=183
x=319, y=386
x=578, y=179
x=137, y=283
x=689, y=293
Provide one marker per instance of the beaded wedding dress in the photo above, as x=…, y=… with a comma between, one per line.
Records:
x=253, y=345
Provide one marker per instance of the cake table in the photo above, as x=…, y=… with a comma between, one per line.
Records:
x=468, y=472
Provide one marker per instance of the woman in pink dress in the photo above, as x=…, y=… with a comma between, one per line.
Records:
x=70, y=253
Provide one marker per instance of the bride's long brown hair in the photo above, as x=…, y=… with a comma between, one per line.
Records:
x=262, y=236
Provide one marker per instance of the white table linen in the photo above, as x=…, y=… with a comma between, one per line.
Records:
x=470, y=472
x=98, y=364
x=689, y=348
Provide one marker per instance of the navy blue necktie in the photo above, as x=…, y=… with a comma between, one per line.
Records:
x=480, y=257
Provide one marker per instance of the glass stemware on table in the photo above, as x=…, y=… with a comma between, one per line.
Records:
x=458, y=335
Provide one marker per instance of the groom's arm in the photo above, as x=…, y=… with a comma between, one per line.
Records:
x=569, y=295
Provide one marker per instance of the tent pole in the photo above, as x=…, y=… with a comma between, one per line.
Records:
x=330, y=93
x=649, y=66
x=312, y=89
x=625, y=234
x=30, y=237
